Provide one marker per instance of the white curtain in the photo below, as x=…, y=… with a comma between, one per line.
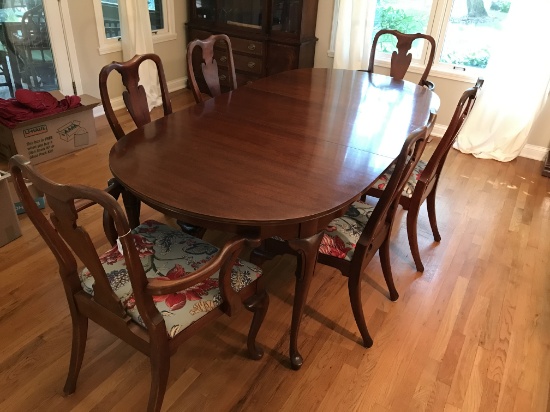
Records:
x=354, y=34
x=137, y=38
x=517, y=83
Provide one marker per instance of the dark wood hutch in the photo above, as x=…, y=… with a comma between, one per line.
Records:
x=267, y=36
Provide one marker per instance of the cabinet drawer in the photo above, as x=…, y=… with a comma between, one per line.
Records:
x=247, y=46
x=242, y=63
x=242, y=78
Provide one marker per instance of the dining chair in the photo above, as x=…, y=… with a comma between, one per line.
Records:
x=423, y=181
x=350, y=242
x=401, y=59
x=135, y=99
x=153, y=289
x=212, y=79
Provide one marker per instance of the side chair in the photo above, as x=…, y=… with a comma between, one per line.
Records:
x=350, y=242
x=135, y=100
x=154, y=288
x=401, y=59
x=423, y=181
x=203, y=71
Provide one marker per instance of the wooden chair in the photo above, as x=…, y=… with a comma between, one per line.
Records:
x=209, y=83
x=350, y=242
x=423, y=182
x=401, y=59
x=135, y=100
x=153, y=290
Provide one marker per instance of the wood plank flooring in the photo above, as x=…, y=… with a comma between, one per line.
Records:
x=471, y=333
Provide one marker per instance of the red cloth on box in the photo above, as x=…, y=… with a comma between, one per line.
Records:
x=29, y=105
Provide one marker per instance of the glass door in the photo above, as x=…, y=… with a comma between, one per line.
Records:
x=26, y=56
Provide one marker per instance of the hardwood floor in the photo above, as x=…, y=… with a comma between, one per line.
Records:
x=471, y=333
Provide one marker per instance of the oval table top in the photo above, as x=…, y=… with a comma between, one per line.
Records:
x=294, y=147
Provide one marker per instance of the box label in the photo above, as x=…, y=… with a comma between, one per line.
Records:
x=35, y=131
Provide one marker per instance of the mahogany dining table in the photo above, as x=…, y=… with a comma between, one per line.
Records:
x=282, y=157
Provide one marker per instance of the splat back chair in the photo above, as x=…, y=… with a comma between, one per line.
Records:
x=153, y=291
x=423, y=182
x=401, y=59
x=209, y=82
x=135, y=100
x=351, y=241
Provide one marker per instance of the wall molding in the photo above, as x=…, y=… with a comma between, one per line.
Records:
x=529, y=151
x=118, y=103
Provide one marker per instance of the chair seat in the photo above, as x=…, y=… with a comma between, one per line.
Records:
x=167, y=253
x=342, y=234
x=411, y=183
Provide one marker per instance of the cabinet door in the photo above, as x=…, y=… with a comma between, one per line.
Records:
x=203, y=10
x=242, y=13
x=286, y=16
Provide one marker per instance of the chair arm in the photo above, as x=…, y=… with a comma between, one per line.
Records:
x=223, y=261
x=430, y=85
x=114, y=189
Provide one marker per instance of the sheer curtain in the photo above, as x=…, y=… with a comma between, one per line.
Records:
x=517, y=83
x=354, y=34
x=137, y=38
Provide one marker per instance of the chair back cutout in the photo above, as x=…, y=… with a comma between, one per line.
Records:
x=134, y=96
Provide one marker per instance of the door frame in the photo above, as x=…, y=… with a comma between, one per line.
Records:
x=63, y=46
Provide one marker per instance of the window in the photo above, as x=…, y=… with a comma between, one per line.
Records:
x=161, y=14
x=464, y=30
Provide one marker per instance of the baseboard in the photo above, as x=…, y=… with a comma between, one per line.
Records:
x=533, y=152
x=118, y=103
x=529, y=151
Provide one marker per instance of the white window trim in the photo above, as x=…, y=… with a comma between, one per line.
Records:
x=438, y=70
x=113, y=45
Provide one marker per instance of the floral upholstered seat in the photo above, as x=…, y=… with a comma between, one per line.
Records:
x=411, y=183
x=342, y=234
x=167, y=253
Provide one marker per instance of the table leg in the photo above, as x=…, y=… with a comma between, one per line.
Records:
x=307, y=250
x=133, y=207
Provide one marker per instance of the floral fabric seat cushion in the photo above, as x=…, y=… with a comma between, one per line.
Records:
x=342, y=234
x=411, y=183
x=167, y=253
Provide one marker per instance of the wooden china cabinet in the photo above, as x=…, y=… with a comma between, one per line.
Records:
x=267, y=36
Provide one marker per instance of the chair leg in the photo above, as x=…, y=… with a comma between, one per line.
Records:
x=354, y=289
x=431, y=214
x=257, y=304
x=412, y=233
x=160, y=367
x=80, y=333
x=384, y=253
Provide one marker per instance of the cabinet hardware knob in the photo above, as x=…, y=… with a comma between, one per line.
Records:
x=223, y=59
x=251, y=46
x=223, y=77
x=251, y=65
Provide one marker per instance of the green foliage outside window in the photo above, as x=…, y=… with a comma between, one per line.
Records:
x=501, y=5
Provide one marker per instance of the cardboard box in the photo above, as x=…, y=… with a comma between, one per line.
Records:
x=38, y=196
x=9, y=223
x=48, y=137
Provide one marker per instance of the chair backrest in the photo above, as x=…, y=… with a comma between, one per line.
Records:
x=463, y=109
x=210, y=80
x=384, y=212
x=134, y=96
x=401, y=59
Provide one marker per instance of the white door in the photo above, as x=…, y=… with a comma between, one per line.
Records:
x=34, y=49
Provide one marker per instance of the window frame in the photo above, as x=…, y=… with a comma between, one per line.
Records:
x=111, y=45
x=437, y=27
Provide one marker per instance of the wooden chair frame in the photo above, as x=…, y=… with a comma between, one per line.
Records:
x=69, y=241
x=375, y=236
x=209, y=66
x=401, y=59
x=426, y=187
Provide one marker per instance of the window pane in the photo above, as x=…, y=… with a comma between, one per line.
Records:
x=403, y=15
x=111, y=19
x=473, y=27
